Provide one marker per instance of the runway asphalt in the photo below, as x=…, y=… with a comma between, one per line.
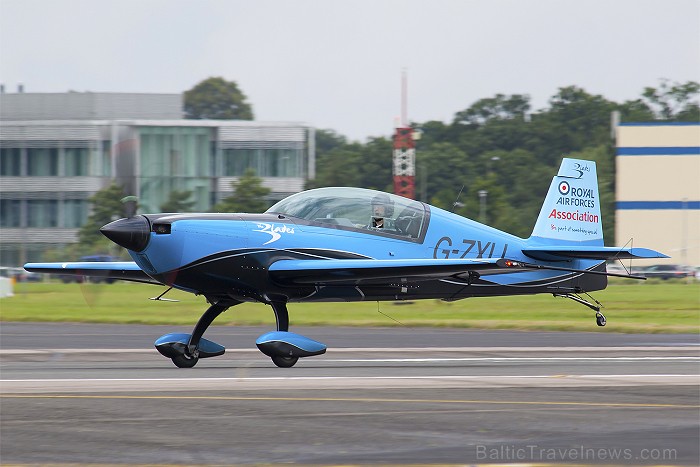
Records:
x=99, y=394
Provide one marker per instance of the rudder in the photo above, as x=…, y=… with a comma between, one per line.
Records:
x=571, y=209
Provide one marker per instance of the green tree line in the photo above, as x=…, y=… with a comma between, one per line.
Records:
x=499, y=144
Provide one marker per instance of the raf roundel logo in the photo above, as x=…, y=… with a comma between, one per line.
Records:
x=564, y=188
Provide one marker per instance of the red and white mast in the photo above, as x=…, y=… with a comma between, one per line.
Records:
x=404, y=150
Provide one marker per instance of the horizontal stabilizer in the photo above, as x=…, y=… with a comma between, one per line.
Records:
x=563, y=252
x=118, y=270
x=357, y=270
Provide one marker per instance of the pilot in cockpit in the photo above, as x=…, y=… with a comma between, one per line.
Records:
x=382, y=209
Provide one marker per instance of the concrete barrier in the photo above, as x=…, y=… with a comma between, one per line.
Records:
x=6, y=287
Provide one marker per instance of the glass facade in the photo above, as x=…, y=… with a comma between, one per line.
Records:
x=42, y=162
x=31, y=208
x=10, y=213
x=10, y=162
x=75, y=212
x=47, y=178
x=174, y=158
x=42, y=213
x=50, y=162
x=266, y=162
x=76, y=162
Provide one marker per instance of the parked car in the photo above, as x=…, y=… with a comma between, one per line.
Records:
x=90, y=259
x=667, y=271
x=696, y=272
x=615, y=268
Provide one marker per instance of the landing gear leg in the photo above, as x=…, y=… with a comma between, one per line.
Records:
x=282, y=318
x=191, y=355
x=281, y=315
x=599, y=317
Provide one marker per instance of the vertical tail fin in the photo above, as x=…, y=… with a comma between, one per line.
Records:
x=571, y=210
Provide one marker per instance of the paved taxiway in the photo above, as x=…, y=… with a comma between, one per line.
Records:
x=101, y=393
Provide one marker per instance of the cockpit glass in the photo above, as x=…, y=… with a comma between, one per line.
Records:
x=356, y=208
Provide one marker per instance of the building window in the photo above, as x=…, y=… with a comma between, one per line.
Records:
x=75, y=212
x=265, y=162
x=10, y=255
x=42, y=162
x=106, y=159
x=76, y=162
x=10, y=162
x=10, y=212
x=42, y=213
x=236, y=161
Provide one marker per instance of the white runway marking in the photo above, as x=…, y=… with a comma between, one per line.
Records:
x=389, y=350
x=340, y=382
x=398, y=355
x=514, y=359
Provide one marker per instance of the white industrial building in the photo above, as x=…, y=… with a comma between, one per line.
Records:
x=658, y=189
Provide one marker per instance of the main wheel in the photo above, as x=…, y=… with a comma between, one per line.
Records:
x=284, y=362
x=184, y=361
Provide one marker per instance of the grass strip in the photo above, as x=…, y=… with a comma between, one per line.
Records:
x=648, y=307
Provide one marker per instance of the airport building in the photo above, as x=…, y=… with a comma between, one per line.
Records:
x=658, y=189
x=57, y=150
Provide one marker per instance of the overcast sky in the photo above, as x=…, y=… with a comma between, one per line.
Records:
x=337, y=64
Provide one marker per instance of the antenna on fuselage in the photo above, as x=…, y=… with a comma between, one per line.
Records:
x=457, y=203
x=390, y=317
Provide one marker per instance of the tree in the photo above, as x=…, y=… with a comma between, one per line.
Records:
x=217, y=99
x=339, y=167
x=354, y=164
x=108, y=204
x=674, y=102
x=178, y=202
x=248, y=195
x=376, y=164
x=499, y=107
x=575, y=120
x=327, y=140
x=442, y=169
x=636, y=111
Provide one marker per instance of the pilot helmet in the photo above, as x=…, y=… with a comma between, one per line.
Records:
x=382, y=199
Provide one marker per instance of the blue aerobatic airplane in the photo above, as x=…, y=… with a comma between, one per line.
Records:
x=352, y=244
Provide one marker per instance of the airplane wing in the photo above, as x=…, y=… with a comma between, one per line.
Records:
x=554, y=253
x=121, y=270
x=297, y=272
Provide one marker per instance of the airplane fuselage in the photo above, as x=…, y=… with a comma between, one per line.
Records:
x=230, y=255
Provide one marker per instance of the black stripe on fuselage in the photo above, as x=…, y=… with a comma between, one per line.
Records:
x=243, y=272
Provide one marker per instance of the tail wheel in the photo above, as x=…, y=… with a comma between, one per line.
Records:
x=600, y=319
x=184, y=361
x=284, y=362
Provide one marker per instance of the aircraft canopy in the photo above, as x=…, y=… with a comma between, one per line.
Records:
x=357, y=208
